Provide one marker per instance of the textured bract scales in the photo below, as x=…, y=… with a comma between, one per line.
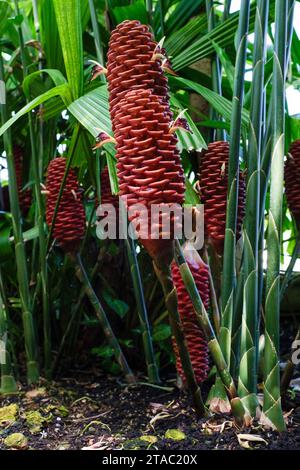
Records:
x=132, y=64
x=214, y=187
x=292, y=180
x=69, y=227
x=149, y=168
x=24, y=195
x=196, y=342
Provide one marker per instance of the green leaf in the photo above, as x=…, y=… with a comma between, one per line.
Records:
x=117, y=305
x=4, y=8
x=135, y=11
x=161, y=332
x=69, y=23
x=103, y=351
x=190, y=196
x=219, y=103
x=61, y=90
x=49, y=35
x=54, y=74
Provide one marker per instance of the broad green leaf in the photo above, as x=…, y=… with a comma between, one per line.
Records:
x=56, y=76
x=161, y=332
x=190, y=196
x=49, y=35
x=61, y=90
x=4, y=9
x=117, y=305
x=135, y=11
x=219, y=103
x=69, y=23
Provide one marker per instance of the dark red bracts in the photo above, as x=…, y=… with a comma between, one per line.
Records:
x=69, y=226
x=24, y=195
x=134, y=62
x=213, y=187
x=292, y=180
x=149, y=168
x=196, y=342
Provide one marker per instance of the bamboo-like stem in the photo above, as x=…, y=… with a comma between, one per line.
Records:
x=272, y=412
x=249, y=332
x=227, y=5
x=229, y=273
x=149, y=6
x=8, y=383
x=289, y=271
x=213, y=344
x=40, y=220
x=163, y=273
x=22, y=274
x=215, y=66
x=161, y=17
x=142, y=310
x=97, y=36
x=102, y=317
x=213, y=295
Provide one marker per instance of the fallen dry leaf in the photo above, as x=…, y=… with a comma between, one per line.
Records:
x=244, y=440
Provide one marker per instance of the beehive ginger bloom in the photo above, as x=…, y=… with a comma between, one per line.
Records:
x=149, y=168
x=69, y=227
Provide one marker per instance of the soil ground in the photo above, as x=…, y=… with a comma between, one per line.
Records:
x=92, y=410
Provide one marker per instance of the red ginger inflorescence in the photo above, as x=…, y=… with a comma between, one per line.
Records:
x=69, y=225
x=106, y=195
x=24, y=195
x=213, y=187
x=292, y=180
x=196, y=342
x=149, y=168
x=134, y=62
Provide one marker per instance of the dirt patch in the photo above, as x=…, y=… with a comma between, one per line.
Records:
x=98, y=411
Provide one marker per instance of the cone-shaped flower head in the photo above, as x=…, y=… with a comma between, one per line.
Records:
x=134, y=62
x=213, y=187
x=24, y=194
x=292, y=180
x=196, y=342
x=69, y=225
x=149, y=168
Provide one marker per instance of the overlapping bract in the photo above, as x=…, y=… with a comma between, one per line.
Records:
x=213, y=187
x=149, y=168
x=24, y=194
x=292, y=180
x=69, y=227
x=196, y=342
x=134, y=64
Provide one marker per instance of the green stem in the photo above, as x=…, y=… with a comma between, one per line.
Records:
x=101, y=315
x=229, y=273
x=161, y=17
x=289, y=271
x=22, y=274
x=97, y=37
x=249, y=331
x=8, y=383
x=40, y=220
x=142, y=310
x=213, y=344
x=213, y=295
x=272, y=402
